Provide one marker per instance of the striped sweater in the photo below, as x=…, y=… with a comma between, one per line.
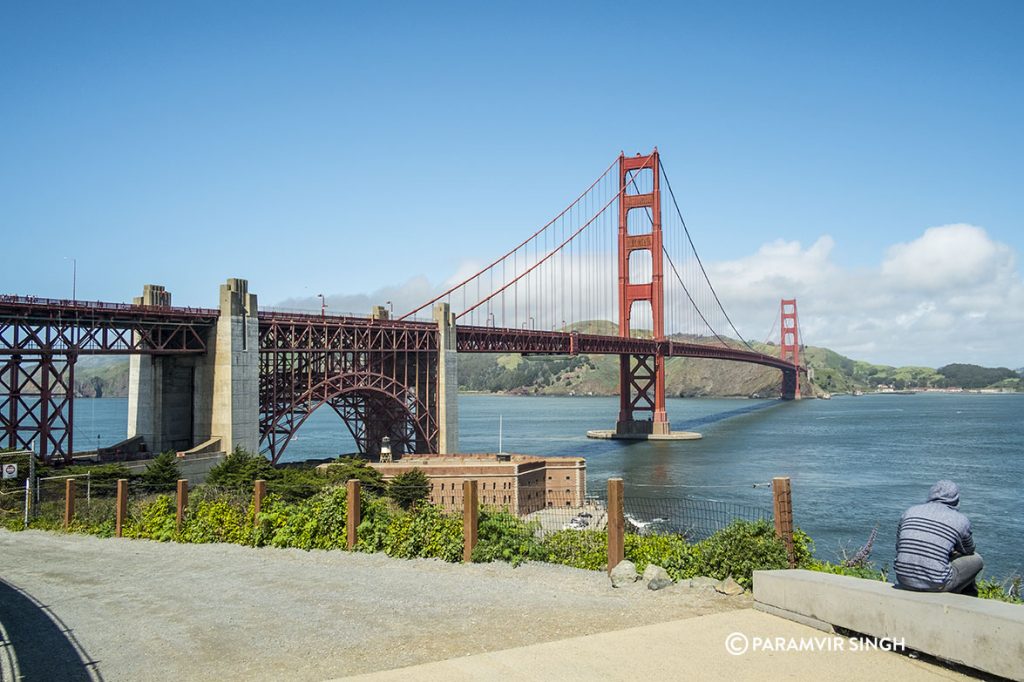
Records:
x=929, y=534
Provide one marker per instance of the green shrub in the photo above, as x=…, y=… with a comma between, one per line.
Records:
x=408, y=488
x=865, y=572
x=221, y=519
x=156, y=520
x=354, y=467
x=239, y=470
x=738, y=550
x=316, y=523
x=577, y=548
x=504, y=537
x=375, y=518
x=990, y=588
x=424, y=532
x=293, y=484
x=103, y=477
x=162, y=471
x=671, y=552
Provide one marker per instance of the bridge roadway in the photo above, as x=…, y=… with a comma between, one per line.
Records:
x=31, y=325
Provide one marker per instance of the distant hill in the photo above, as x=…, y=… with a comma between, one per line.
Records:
x=101, y=376
x=685, y=377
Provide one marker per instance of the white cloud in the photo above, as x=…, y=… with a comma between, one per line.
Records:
x=952, y=294
x=945, y=257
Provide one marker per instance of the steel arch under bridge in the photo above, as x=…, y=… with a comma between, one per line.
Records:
x=379, y=376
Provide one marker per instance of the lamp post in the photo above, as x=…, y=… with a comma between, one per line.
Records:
x=74, y=277
x=391, y=309
x=323, y=306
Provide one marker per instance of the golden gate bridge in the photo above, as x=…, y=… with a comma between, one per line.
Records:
x=615, y=273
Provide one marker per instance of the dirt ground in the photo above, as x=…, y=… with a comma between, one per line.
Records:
x=79, y=607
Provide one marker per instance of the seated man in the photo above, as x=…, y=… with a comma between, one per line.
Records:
x=934, y=547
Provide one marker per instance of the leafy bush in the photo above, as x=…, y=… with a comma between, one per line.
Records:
x=219, y=518
x=355, y=467
x=375, y=517
x=424, y=532
x=866, y=572
x=577, y=548
x=156, y=520
x=504, y=537
x=671, y=552
x=1007, y=591
x=163, y=470
x=408, y=488
x=239, y=469
x=738, y=550
x=104, y=477
x=316, y=523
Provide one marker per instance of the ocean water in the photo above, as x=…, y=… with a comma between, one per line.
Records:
x=855, y=462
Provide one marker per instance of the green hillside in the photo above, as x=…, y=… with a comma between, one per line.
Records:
x=686, y=377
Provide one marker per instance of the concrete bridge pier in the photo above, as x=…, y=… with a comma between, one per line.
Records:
x=447, y=381
x=790, y=385
x=178, y=402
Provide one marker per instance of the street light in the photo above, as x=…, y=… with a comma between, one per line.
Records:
x=391, y=309
x=323, y=306
x=74, y=277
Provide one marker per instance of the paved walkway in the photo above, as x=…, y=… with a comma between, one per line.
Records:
x=694, y=648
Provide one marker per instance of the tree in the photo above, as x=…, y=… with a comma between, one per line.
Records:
x=163, y=470
x=409, y=488
x=240, y=469
x=347, y=468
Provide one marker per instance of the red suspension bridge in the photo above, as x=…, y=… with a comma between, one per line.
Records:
x=615, y=273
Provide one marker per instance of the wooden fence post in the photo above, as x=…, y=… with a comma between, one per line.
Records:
x=616, y=524
x=121, y=512
x=470, y=519
x=259, y=491
x=353, y=506
x=69, y=501
x=182, y=501
x=782, y=509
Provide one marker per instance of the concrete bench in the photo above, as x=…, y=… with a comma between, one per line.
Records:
x=982, y=634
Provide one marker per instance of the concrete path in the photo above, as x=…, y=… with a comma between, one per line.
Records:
x=694, y=648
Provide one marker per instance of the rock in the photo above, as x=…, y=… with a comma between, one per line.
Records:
x=624, y=574
x=729, y=587
x=659, y=583
x=703, y=581
x=657, y=577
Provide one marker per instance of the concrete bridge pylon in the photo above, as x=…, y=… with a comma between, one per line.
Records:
x=176, y=402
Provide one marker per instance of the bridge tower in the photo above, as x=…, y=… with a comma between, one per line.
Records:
x=641, y=377
x=789, y=348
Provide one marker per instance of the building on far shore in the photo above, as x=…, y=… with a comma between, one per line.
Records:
x=521, y=484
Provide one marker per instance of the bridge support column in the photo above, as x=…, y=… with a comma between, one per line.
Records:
x=447, y=381
x=641, y=377
x=232, y=371
x=789, y=348
x=161, y=390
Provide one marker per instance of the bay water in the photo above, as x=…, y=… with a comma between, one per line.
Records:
x=855, y=462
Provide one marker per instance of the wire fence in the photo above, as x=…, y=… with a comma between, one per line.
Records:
x=694, y=518
x=559, y=517
x=691, y=517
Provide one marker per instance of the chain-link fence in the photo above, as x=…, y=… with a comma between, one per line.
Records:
x=692, y=517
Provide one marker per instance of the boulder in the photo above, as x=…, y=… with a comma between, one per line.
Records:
x=704, y=582
x=729, y=587
x=624, y=574
x=656, y=577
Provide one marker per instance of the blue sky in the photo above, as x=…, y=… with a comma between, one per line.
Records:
x=351, y=149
